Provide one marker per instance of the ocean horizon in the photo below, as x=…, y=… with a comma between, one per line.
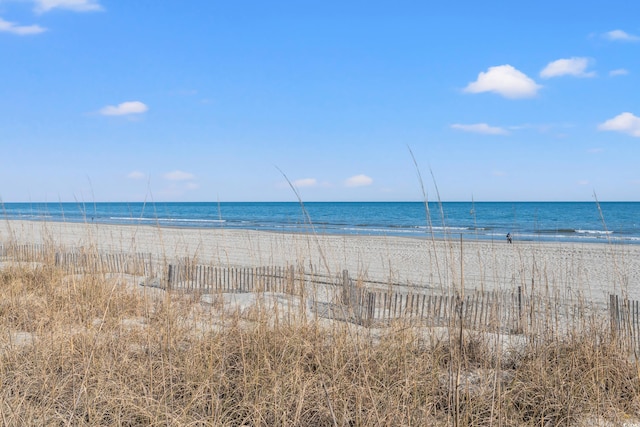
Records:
x=603, y=222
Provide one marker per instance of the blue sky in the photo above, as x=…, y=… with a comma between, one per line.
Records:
x=114, y=100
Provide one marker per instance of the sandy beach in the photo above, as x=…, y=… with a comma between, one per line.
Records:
x=267, y=326
x=591, y=271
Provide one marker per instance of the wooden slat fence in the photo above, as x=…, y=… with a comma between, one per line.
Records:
x=27, y=252
x=78, y=261
x=625, y=320
x=140, y=264
x=496, y=311
x=204, y=278
x=504, y=311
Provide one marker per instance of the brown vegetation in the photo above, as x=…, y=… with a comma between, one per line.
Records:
x=92, y=349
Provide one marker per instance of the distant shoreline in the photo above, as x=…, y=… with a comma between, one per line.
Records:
x=547, y=237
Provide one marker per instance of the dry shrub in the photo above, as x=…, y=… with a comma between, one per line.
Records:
x=559, y=382
x=105, y=354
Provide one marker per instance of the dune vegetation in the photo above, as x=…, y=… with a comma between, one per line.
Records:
x=97, y=348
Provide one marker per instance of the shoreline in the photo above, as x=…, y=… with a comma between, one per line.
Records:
x=468, y=236
x=590, y=271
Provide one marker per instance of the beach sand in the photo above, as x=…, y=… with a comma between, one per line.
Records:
x=590, y=271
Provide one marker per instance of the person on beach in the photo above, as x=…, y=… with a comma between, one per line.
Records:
x=509, y=240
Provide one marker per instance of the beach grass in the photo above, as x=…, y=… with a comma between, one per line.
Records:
x=97, y=348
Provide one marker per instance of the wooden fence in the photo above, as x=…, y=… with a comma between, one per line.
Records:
x=205, y=278
x=625, y=320
x=79, y=260
x=498, y=311
x=508, y=311
x=503, y=311
x=26, y=253
x=140, y=264
x=362, y=302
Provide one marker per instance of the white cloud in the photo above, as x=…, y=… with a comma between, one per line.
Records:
x=619, y=35
x=625, y=123
x=42, y=6
x=136, y=175
x=305, y=182
x=567, y=67
x=358, y=181
x=481, y=128
x=21, y=30
x=178, y=175
x=619, y=72
x=498, y=173
x=125, y=108
x=583, y=182
x=504, y=80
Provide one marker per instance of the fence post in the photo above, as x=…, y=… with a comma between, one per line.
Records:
x=371, y=315
x=169, y=276
x=520, y=322
x=612, y=313
x=346, y=288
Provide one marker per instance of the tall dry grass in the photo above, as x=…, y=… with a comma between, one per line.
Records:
x=97, y=349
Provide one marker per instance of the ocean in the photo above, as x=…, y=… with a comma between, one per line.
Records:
x=606, y=222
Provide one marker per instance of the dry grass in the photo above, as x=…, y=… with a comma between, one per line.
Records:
x=89, y=350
